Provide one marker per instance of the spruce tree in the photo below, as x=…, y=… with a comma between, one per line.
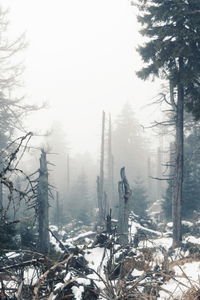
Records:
x=129, y=145
x=172, y=52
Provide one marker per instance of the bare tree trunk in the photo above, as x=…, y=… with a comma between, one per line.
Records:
x=1, y=197
x=68, y=173
x=124, y=196
x=57, y=209
x=105, y=206
x=110, y=167
x=100, y=179
x=109, y=222
x=149, y=180
x=99, y=196
x=102, y=204
x=178, y=174
x=1, y=187
x=159, y=175
x=43, y=206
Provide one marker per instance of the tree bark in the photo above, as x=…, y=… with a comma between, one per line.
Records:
x=1, y=188
x=100, y=179
x=110, y=167
x=57, y=209
x=178, y=172
x=68, y=174
x=124, y=196
x=149, y=180
x=1, y=198
x=109, y=222
x=43, y=206
x=159, y=174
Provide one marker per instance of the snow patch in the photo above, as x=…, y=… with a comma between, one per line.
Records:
x=160, y=242
x=12, y=254
x=178, y=285
x=77, y=291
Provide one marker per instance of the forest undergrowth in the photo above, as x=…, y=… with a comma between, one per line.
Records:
x=84, y=265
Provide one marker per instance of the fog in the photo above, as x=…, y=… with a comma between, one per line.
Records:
x=81, y=59
x=99, y=170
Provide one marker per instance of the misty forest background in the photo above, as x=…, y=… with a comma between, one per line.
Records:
x=143, y=183
x=147, y=153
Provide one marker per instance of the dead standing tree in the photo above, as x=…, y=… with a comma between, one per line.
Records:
x=124, y=195
x=43, y=205
x=105, y=189
x=57, y=214
x=100, y=179
x=68, y=173
x=110, y=168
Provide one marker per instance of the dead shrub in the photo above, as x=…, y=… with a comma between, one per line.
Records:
x=192, y=294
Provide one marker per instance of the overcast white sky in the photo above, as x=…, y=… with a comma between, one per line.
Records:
x=81, y=59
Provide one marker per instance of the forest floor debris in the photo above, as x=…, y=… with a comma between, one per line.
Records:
x=91, y=268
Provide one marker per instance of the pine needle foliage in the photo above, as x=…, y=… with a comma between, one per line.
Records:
x=172, y=28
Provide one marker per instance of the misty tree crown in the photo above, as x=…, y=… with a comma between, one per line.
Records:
x=173, y=31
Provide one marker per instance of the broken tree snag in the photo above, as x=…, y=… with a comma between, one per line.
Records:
x=68, y=173
x=105, y=206
x=109, y=222
x=1, y=198
x=1, y=187
x=100, y=204
x=110, y=185
x=43, y=206
x=57, y=209
x=124, y=196
x=101, y=177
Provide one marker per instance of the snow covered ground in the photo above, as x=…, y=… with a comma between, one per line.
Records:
x=186, y=271
x=152, y=264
